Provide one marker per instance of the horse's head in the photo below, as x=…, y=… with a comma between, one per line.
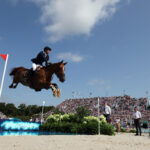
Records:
x=60, y=70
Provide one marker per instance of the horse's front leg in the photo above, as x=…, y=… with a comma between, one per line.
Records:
x=55, y=85
x=55, y=89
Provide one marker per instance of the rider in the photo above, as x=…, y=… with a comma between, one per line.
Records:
x=37, y=62
x=42, y=57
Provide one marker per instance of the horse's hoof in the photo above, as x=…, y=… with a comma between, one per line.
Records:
x=37, y=90
x=11, y=86
x=55, y=93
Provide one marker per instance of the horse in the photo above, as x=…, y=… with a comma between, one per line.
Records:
x=40, y=79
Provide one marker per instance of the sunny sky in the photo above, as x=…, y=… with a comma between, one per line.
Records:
x=105, y=42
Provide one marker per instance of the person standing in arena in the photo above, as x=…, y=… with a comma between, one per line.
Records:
x=106, y=111
x=118, y=124
x=137, y=117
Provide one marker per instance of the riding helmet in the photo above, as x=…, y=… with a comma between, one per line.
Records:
x=47, y=48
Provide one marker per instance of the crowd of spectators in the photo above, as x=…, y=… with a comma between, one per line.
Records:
x=122, y=107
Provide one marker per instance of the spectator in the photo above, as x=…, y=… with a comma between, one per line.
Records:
x=118, y=124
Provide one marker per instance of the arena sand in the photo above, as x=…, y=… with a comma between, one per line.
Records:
x=76, y=142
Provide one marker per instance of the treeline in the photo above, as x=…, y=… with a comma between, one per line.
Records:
x=148, y=108
x=23, y=112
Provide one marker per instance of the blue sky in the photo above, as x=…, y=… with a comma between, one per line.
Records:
x=105, y=42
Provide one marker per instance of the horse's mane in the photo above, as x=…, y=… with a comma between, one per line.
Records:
x=51, y=66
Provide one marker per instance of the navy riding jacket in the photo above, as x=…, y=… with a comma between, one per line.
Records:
x=41, y=57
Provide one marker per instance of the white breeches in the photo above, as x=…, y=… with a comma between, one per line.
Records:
x=34, y=66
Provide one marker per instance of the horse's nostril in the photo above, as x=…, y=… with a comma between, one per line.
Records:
x=62, y=80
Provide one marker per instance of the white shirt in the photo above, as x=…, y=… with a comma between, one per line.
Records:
x=137, y=115
x=117, y=120
x=107, y=110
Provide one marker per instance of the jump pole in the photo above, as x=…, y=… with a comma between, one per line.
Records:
x=98, y=119
x=3, y=77
x=42, y=112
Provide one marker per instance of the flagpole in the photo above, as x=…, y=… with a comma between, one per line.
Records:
x=3, y=77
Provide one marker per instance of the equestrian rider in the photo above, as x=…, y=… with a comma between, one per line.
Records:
x=42, y=57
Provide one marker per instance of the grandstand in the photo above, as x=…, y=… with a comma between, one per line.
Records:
x=122, y=107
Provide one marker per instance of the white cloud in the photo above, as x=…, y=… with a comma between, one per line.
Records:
x=68, y=56
x=63, y=18
x=1, y=38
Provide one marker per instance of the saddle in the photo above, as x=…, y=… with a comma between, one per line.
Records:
x=29, y=73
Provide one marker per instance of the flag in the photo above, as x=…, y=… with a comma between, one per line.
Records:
x=4, y=56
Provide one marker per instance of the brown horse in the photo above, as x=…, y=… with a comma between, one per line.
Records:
x=41, y=79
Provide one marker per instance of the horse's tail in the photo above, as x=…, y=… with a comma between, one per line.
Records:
x=14, y=70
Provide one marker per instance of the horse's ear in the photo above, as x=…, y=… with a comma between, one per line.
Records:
x=65, y=63
x=62, y=62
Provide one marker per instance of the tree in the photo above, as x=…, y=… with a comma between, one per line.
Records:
x=82, y=111
x=48, y=108
x=2, y=107
x=11, y=110
x=57, y=111
x=22, y=109
x=148, y=107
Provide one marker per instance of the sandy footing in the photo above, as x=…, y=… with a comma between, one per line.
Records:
x=76, y=142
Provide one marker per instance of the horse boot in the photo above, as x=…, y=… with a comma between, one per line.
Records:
x=58, y=92
x=54, y=90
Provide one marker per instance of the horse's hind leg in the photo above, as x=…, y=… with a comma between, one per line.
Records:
x=12, y=85
x=14, y=82
x=16, y=85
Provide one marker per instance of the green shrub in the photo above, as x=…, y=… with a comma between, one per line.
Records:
x=107, y=129
x=69, y=123
x=89, y=128
x=73, y=117
x=132, y=131
x=54, y=118
x=123, y=129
